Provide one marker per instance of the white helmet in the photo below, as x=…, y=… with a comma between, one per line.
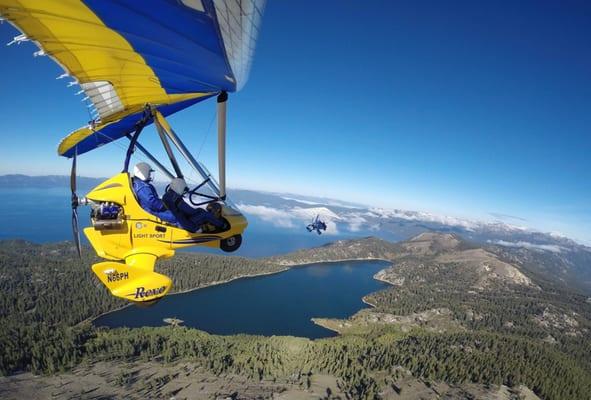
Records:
x=143, y=171
x=178, y=185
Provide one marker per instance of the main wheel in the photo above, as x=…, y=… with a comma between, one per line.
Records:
x=231, y=244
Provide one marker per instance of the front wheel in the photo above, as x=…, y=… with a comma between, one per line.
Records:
x=231, y=244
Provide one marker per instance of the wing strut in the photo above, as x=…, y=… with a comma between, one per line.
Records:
x=152, y=158
x=133, y=140
x=135, y=144
x=222, y=103
x=163, y=133
x=163, y=125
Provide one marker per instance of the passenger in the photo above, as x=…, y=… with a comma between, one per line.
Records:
x=189, y=218
x=147, y=195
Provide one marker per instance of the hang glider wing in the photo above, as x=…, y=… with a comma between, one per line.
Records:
x=126, y=53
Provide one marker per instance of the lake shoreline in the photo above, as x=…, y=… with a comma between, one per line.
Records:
x=214, y=283
x=318, y=320
x=286, y=267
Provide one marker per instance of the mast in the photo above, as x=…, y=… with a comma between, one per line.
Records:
x=222, y=103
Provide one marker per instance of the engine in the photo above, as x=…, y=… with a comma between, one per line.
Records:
x=107, y=216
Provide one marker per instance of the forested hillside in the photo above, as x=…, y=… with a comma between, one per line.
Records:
x=504, y=325
x=47, y=291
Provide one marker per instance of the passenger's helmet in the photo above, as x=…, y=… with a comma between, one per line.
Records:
x=178, y=185
x=143, y=171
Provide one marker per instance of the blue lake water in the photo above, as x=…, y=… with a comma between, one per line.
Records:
x=278, y=304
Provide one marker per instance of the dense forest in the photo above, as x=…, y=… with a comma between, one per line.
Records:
x=363, y=364
x=551, y=314
x=48, y=291
x=49, y=297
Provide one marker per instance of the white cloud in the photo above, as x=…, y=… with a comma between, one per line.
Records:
x=311, y=213
x=273, y=215
x=558, y=235
x=328, y=202
x=355, y=221
x=293, y=217
x=313, y=203
x=469, y=225
x=423, y=216
x=364, y=220
x=532, y=246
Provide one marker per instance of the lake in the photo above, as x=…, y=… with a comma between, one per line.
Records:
x=278, y=304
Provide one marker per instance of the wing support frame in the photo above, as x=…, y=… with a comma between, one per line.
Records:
x=222, y=102
x=163, y=137
x=168, y=136
x=163, y=126
x=138, y=130
x=158, y=164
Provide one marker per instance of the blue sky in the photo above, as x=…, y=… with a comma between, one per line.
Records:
x=459, y=108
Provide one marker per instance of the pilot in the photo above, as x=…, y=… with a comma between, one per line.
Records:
x=147, y=195
x=189, y=218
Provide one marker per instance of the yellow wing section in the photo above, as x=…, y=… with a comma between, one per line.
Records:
x=74, y=36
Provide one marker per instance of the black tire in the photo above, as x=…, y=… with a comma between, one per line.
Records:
x=231, y=244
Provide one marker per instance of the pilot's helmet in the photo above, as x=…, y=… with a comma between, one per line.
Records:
x=178, y=185
x=143, y=171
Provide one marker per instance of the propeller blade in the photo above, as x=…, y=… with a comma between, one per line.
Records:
x=76, y=232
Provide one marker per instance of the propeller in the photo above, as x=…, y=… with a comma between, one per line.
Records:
x=75, y=203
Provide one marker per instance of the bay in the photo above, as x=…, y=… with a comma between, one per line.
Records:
x=277, y=304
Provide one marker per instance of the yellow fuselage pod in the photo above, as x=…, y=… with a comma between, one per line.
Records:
x=140, y=239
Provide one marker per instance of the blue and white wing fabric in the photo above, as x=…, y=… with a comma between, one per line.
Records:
x=125, y=54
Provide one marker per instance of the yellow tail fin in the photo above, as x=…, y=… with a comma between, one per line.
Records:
x=131, y=282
